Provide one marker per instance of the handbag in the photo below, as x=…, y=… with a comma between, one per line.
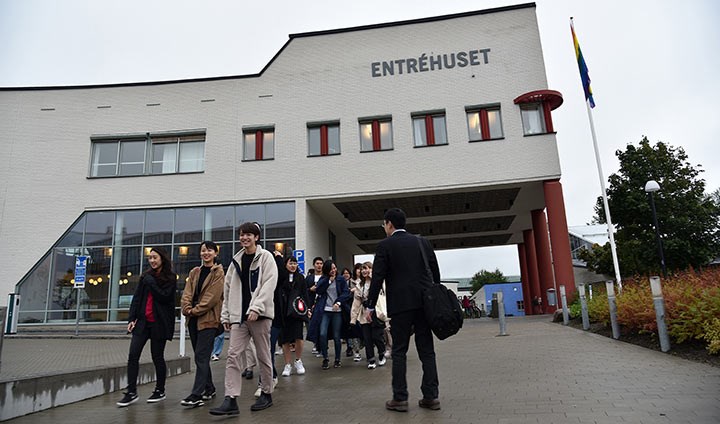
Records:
x=297, y=308
x=442, y=309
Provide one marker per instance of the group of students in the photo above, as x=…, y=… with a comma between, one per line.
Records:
x=262, y=301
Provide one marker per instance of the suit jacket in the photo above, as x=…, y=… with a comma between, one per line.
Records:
x=399, y=262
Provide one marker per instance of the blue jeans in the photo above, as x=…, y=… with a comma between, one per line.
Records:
x=334, y=319
x=218, y=344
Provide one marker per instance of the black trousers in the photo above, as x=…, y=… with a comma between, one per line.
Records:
x=157, y=351
x=202, y=344
x=373, y=337
x=402, y=325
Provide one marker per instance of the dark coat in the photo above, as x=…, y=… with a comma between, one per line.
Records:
x=286, y=291
x=163, y=307
x=343, y=296
x=399, y=262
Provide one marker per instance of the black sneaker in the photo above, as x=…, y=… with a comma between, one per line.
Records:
x=337, y=364
x=192, y=400
x=156, y=396
x=209, y=394
x=349, y=353
x=127, y=399
x=228, y=407
x=263, y=402
x=325, y=364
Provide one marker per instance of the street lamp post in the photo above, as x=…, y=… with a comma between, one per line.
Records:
x=651, y=187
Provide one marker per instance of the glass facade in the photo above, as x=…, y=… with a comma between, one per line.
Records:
x=117, y=244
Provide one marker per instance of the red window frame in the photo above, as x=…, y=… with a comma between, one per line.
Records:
x=259, y=142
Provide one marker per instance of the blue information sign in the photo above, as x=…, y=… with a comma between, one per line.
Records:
x=299, y=254
x=80, y=268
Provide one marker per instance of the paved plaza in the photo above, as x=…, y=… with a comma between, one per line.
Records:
x=540, y=373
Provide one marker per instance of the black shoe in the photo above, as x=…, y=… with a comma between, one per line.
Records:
x=192, y=400
x=249, y=375
x=129, y=398
x=263, y=402
x=337, y=364
x=209, y=394
x=156, y=396
x=325, y=364
x=349, y=353
x=228, y=407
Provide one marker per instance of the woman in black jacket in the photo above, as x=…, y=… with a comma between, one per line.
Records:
x=293, y=305
x=152, y=316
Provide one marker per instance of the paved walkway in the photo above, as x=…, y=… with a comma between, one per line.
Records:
x=541, y=373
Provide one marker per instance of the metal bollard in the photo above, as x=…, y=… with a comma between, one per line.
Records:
x=563, y=299
x=583, y=307
x=659, y=303
x=613, y=308
x=501, y=313
x=182, y=335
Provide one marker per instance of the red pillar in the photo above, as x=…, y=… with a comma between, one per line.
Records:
x=531, y=255
x=559, y=238
x=542, y=246
x=527, y=299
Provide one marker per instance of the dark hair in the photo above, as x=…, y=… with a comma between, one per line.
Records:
x=356, y=268
x=209, y=245
x=396, y=217
x=348, y=270
x=318, y=258
x=250, y=228
x=327, y=266
x=290, y=259
x=166, y=273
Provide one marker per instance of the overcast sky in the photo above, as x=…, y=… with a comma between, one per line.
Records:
x=653, y=66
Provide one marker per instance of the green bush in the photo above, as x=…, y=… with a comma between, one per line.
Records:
x=712, y=336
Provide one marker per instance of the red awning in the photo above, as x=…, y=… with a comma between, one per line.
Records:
x=551, y=97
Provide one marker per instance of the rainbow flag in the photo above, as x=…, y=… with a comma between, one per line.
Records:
x=582, y=66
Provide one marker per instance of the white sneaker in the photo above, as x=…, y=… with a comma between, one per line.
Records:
x=357, y=357
x=214, y=358
x=258, y=392
x=287, y=370
x=371, y=365
x=388, y=354
x=275, y=382
x=299, y=367
x=382, y=360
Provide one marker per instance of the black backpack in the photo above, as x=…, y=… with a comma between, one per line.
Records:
x=442, y=308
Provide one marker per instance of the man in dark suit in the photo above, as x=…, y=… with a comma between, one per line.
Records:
x=399, y=262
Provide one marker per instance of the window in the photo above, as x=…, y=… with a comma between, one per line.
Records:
x=376, y=134
x=172, y=154
x=532, y=119
x=484, y=123
x=324, y=139
x=429, y=129
x=258, y=144
x=520, y=305
x=166, y=154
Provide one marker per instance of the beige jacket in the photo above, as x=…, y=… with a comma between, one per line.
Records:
x=209, y=305
x=357, y=311
x=264, y=273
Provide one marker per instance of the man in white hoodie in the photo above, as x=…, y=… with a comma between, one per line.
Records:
x=247, y=314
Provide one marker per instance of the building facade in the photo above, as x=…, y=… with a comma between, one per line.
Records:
x=447, y=117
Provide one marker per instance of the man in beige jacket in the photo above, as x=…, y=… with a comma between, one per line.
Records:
x=247, y=313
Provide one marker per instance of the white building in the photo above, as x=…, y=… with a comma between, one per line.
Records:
x=447, y=117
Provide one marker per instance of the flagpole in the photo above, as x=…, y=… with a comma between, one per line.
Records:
x=611, y=231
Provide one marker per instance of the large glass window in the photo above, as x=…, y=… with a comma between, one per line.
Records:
x=152, y=154
x=99, y=228
x=429, y=129
x=219, y=223
x=118, y=242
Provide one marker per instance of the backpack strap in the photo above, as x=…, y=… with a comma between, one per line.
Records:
x=425, y=259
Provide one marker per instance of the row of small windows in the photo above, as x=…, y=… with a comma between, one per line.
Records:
x=172, y=154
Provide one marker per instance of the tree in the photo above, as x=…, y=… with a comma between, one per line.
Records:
x=688, y=218
x=483, y=277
